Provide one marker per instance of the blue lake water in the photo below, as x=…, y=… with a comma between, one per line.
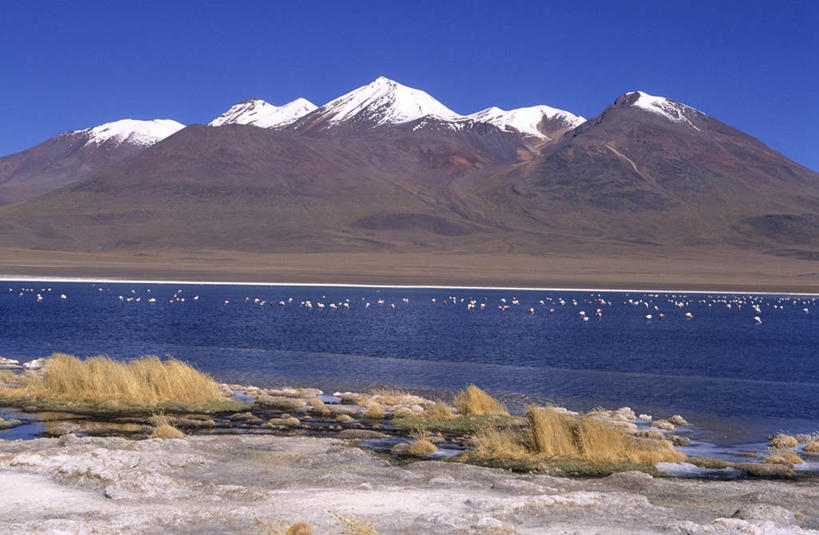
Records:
x=737, y=379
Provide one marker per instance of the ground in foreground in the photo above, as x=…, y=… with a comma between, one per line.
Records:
x=233, y=484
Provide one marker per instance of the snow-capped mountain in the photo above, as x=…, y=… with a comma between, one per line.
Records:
x=259, y=113
x=534, y=121
x=74, y=155
x=381, y=102
x=130, y=131
x=663, y=106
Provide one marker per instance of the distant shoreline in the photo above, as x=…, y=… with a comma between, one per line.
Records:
x=29, y=278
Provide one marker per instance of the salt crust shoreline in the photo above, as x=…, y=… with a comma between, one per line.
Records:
x=223, y=484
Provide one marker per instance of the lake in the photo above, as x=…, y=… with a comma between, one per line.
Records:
x=737, y=379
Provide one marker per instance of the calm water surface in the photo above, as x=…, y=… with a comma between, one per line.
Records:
x=736, y=378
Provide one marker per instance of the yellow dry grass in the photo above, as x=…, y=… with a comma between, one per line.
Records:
x=472, y=401
x=388, y=396
x=163, y=429
x=10, y=378
x=553, y=435
x=375, y=412
x=422, y=445
x=439, y=411
x=783, y=458
x=144, y=382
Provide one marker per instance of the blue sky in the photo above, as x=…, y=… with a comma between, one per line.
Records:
x=70, y=65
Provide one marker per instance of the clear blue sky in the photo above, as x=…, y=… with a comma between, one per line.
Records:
x=70, y=65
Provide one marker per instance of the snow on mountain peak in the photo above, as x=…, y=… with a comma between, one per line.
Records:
x=384, y=101
x=527, y=120
x=259, y=113
x=131, y=131
x=670, y=109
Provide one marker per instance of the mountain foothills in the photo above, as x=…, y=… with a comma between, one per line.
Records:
x=387, y=168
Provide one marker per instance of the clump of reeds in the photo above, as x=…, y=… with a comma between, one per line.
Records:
x=439, y=411
x=783, y=457
x=144, y=382
x=13, y=379
x=551, y=435
x=163, y=428
x=387, y=396
x=554, y=434
x=472, y=401
x=375, y=412
x=422, y=445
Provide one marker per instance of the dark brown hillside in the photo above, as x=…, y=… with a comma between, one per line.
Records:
x=246, y=188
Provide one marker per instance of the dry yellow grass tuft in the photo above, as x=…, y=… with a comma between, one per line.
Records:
x=163, y=429
x=300, y=528
x=144, y=382
x=554, y=434
x=472, y=401
x=439, y=411
x=422, y=445
x=783, y=458
x=352, y=525
x=375, y=412
x=812, y=446
x=551, y=435
x=14, y=379
x=388, y=396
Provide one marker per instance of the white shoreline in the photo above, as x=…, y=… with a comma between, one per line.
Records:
x=23, y=278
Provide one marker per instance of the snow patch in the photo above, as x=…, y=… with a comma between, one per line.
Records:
x=526, y=120
x=259, y=113
x=131, y=131
x=671, y=110
x=385, y=101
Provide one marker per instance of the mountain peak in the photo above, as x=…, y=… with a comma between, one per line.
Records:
x=384, y=101
x=257, y=112
x=670, y=109
x=529, y=121
x=131, y=131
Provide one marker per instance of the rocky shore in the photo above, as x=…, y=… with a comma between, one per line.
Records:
x=380, y=460
x=237, y=484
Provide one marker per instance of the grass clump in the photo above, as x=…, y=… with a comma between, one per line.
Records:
x=439, y=411
x=147, y=382
x=422, y=445
x=472, y=401
x=163, y=428
x=457, y=426
x=8, y=377
x=375, y=412
x=573, y=444
x=786, y=457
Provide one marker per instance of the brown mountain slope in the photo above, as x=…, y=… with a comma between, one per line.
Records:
x=246, y=188
x=649, y=182
x=634, y=176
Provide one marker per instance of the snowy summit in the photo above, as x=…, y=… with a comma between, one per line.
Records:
x=131, y=131
x=527, y=121
x=259, y=113
x=384, y=101
x=670, y=109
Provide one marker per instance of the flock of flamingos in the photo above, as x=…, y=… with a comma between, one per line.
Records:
x=652, y=306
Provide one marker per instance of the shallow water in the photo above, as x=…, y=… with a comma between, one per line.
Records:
x=735, y=379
